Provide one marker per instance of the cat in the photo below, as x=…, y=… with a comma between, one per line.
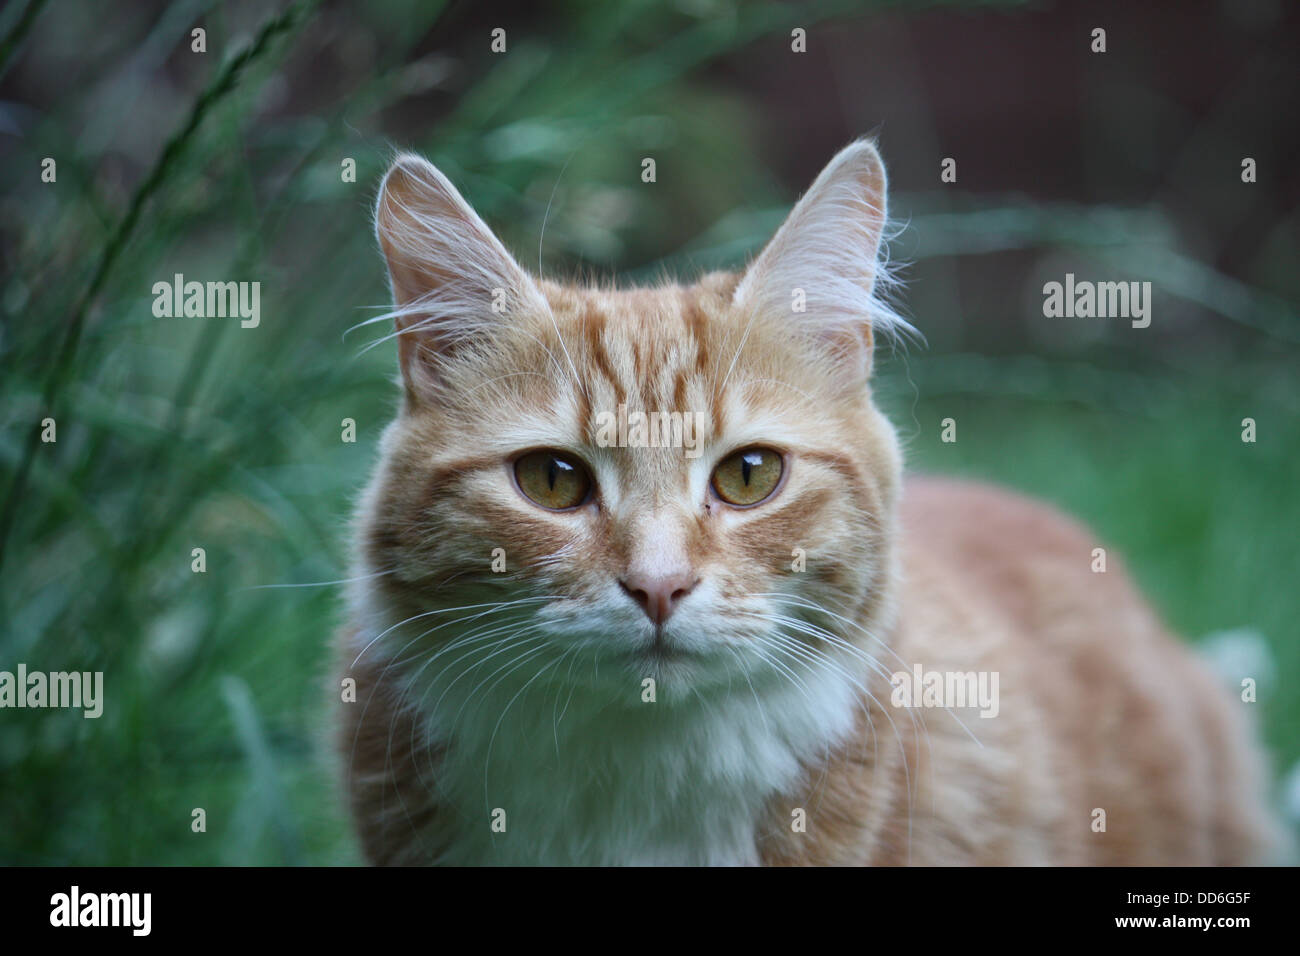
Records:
x=572, y=650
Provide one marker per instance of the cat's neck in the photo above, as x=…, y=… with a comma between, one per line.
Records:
x=546, y=769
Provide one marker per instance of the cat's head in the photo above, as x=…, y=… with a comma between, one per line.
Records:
x=666, y=480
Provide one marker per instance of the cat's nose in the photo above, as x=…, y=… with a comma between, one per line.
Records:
x=659, y=595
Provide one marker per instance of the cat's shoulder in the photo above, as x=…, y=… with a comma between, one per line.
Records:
x=962, y=508
x=995, y=533
x=995, y=548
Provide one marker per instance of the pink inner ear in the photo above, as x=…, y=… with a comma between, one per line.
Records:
x=450, y=275
x=829, y=246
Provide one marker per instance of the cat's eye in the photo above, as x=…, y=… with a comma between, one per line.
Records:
x=749, y=476
x=552, y=479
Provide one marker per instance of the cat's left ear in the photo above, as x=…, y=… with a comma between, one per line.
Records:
x=822, y=272
x=454, y=284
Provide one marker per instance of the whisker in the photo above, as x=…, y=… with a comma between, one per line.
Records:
x=446, y=610
x=796, y=647
x=852, y=623
x=319, y=584
x=487, y=761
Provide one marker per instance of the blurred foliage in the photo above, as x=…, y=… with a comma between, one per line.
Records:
x=177, y=434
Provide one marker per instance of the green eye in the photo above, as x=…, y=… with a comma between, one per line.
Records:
x=552, y=479
x=748, y=476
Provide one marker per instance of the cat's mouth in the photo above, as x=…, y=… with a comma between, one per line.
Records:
x=662, y=649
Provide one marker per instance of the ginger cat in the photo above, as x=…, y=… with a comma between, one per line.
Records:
x=680, y=643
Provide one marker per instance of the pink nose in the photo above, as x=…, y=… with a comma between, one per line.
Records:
x=659, y=596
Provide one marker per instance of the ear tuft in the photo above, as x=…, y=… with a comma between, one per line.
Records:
x=825, y=269
x=452, y=279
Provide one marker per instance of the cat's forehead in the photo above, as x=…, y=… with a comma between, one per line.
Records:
x=647, y=384
x=626, y=355
x=647, y=348
x=646, y=314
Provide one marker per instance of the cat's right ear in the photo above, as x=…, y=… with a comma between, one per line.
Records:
x=452, y=279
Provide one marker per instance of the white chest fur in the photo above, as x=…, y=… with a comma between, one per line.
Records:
x=536, y=770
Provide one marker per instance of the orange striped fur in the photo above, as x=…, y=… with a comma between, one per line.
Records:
x=501, y=713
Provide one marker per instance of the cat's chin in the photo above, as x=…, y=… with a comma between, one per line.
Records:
x=679, y=669
x=653, y=653
x=683, y=671
x=663, y=655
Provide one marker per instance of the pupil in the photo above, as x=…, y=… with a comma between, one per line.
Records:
x=748, y=463
x=552, y=472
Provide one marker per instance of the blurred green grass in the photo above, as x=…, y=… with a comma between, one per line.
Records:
x=177, y=434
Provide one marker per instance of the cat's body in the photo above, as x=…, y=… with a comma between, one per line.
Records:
x=658, y=673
